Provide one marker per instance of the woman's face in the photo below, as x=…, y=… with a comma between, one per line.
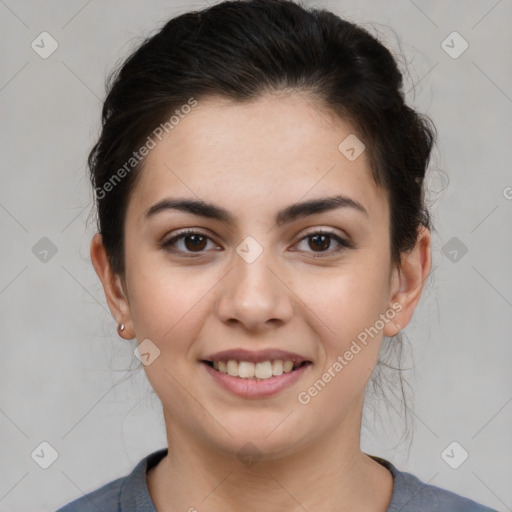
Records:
x=252, y=279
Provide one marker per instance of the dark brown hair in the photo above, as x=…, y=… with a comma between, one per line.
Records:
x=240, y=50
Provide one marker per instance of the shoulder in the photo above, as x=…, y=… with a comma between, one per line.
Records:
x=125, y=494
x=412, y=495
x=107, y=497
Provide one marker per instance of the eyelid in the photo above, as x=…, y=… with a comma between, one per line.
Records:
x=320, y=230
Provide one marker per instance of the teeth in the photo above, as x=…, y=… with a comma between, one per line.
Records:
x=247, y=370
x=287, y=366
x=232, y=368
x=263, y=370
x=277, y=367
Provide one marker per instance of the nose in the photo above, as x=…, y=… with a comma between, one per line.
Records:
x=254, y=295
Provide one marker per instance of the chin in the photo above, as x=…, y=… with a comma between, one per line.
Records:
x=249, y=450
x=265, y=439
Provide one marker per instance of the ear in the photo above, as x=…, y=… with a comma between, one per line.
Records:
x=113, y=286
x=408, y=280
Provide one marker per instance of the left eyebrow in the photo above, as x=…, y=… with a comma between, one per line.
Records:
x=284, y=216
x=324, y=204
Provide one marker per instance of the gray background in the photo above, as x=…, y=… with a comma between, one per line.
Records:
x=64, y=375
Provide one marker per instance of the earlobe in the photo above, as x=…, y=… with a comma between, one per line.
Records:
x=112, y=285
x=408, y=281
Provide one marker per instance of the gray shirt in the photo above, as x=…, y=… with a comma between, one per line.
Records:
x=130, y=493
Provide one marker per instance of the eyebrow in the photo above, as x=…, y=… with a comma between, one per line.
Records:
x=284, y=216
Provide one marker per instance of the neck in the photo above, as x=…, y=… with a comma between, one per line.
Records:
x=332, y=475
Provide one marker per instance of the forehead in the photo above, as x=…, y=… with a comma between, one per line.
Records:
x=275, y=150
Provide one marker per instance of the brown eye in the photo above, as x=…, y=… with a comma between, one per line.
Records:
x=195, y=242
x=188, y=242
x=320, y=242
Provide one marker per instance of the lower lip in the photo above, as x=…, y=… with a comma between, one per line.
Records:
x=252, y=388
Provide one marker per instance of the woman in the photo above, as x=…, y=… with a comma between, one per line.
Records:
x=259, y=184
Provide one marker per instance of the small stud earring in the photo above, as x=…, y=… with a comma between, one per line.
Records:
x=120, y=327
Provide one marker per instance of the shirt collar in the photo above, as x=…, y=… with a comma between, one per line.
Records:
x=135, y=495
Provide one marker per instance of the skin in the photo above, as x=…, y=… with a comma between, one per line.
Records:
x=254, y=159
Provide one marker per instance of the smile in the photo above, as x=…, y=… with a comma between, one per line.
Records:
x=255, y=380
x=249, y=370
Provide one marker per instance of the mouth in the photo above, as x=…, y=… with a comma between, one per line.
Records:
x=263, y=370
x=248, y=380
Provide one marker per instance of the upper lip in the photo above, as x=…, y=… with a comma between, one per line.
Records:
x=241, y=354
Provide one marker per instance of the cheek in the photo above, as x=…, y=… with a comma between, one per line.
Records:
x=169, y=308
x=165, y=301
x=349, y=306
x=348, y=299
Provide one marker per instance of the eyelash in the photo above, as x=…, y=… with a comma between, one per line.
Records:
x=343, y=243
